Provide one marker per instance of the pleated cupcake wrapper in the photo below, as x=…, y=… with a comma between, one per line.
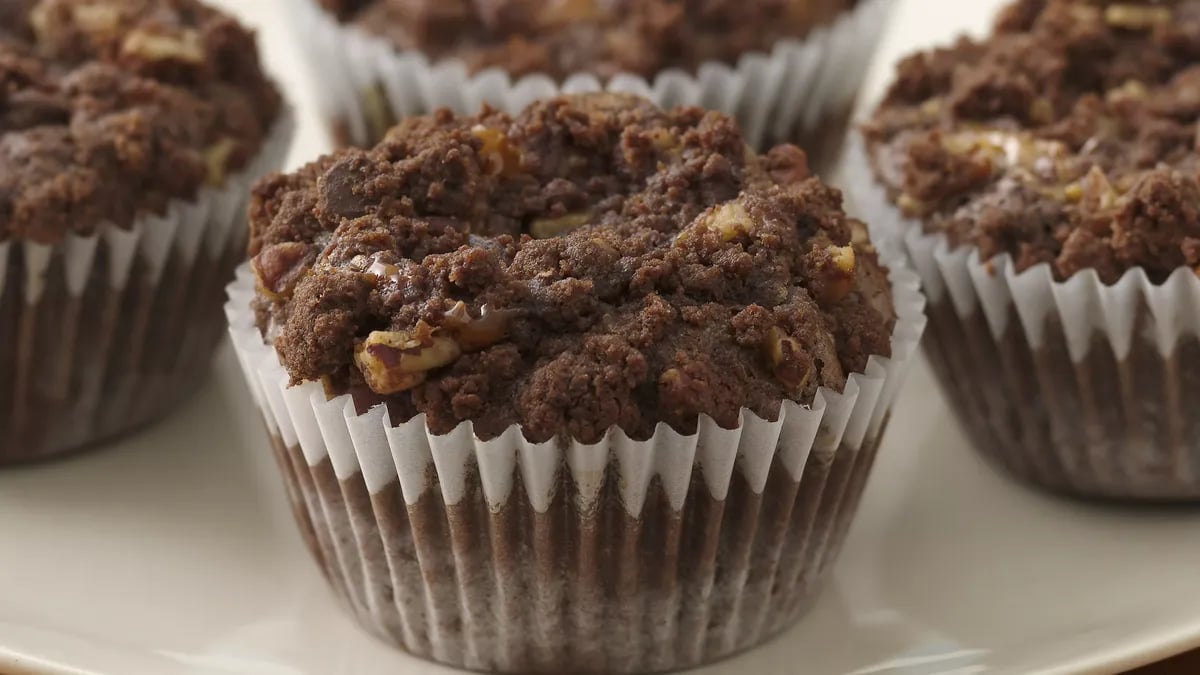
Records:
x=103, y=333
x=622, y=556
x=367, y=84
x=1081, y=387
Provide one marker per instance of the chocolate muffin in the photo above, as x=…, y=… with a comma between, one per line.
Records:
x=747, y=58
x=521, y=356
x=606, y=38
x=1061, y=154
x=126, y=127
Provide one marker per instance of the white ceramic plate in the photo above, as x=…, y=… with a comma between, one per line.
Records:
x=175, y=553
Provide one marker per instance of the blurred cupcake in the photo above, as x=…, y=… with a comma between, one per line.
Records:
x=130, y=131
x=588, y=389
x=788, y=70
x=1044, y=182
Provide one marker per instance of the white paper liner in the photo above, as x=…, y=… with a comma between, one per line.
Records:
x=385, y=452
x=113, y=278
x=1114, y=422
x=456, y=595
x=776, y=97
x=1083, y=304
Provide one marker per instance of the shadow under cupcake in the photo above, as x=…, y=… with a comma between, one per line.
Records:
x=1044, y=183
x=589, y=389
x=130, y=133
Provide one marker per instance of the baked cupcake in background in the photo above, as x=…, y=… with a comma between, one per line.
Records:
x=130, y=131
x=589, y=389
x=787, y=69
x=1044, y=182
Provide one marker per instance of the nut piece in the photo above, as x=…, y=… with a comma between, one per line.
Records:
x=395, y=361
x=732, y=220
x=217, y=157
x=1136, y=17
x=562, y=12
x=1083, y=14
x=96, y=18
x=1098, y=192
x=185, y=46
x=279, y=267
x=1041, y=111
x=999, y=148
x=501, y=158
x=1073, y=192
x=1131, y=90
x=547, y=228
x=382, y=270
x=378, y=113
x=912, y=206
x=787, y=359
x=843, y=258
x=841, y=267
x=475, y=334
x=664, y=140
x=39, y=21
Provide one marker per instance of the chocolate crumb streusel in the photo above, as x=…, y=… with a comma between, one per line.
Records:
x=602, y=37
x=1068, y=137
x=111, y=108
x=591, y=262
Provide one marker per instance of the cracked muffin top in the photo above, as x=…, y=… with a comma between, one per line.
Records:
x=603, y=37
x=1067, y=137
x=111, y=108
x=592, y=262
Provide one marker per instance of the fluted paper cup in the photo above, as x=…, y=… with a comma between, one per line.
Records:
x=1076, y=386
x=620, y=557
x=801, y=91
x=103, y=333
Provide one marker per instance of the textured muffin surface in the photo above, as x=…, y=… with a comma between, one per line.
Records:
x=592, y=262
x=111, y=108
x=604, y=37
x=1068, y=137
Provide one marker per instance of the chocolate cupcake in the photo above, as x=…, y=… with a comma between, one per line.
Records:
x=787, y=69
x=129, y=134
x=593, y=388
x=1044, y=181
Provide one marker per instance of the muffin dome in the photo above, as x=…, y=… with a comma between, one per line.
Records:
x=602, y=37
x=592, y=262
x=109, y=109
x=1069, y=137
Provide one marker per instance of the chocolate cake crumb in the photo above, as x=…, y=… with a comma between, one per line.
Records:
x=111, y=108
x=1067, y=137
x=591, y=262
x=603, y=37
